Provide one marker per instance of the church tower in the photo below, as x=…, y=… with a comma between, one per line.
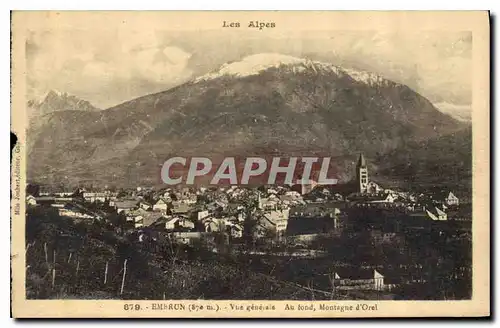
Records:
x=362, y=174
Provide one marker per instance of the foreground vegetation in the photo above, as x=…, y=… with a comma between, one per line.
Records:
x=100, y=260
x=87, y=261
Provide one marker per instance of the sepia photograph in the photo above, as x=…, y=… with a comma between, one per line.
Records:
x=241, y=163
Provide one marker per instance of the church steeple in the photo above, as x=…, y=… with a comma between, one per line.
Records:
x=361, y=161
x=362, y=174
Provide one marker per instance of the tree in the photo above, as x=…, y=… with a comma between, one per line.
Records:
x=122, y=193
x=117, y=219
x=221, y=237
x=32, y=189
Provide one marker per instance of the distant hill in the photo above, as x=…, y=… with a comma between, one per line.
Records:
x=266, y=104
x=40, y=112
x=459, y=112
x=55, y=101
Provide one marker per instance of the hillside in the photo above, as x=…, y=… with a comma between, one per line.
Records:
x=459, y=112
x=446, y=160
x=79, y=253
x=281, y=106
x=41, y=113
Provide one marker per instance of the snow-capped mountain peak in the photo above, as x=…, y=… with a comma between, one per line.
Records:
x=251, y=65
x=255, y=64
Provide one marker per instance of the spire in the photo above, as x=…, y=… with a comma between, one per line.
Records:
x=361, y=161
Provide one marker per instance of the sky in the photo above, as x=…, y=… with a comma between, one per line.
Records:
x=114, y=65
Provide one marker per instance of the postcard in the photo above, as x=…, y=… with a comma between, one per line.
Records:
x=250, y=164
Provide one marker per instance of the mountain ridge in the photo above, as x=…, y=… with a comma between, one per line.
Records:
x=459, y=112
x=54, y=101
x=256, y=64
x=277, y=110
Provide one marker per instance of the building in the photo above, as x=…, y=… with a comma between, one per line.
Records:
x=344, y=278
x=160, y=205
x=451, y=199
x=189, y=199
x=93, y=197
x=169, y=224
x=125, y=206
x=74, y=213
x=291, y=198
x=64, y=194
x=311, y=210
x=185, y=224
x=180, y=208
x=187, y=237
x=279, y=218
x=58, y=205
x=177, y=224
x=223, y=225
x=185, y=196
x=30, y=200
x=112, y=201
x=214, y=224
x=202, y=214
x=143, y=218
x=373, y=200
x=147, y=219
x=136, y=220
x=166, y=195
x=383, y=198
x=236, y=230
x=44, y=200
x=315, y=218
x=145, y=205
x=373, y=188
x=440, y=216
x=270, y=203
x=362, y=175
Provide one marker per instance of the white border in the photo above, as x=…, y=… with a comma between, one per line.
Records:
x=191, y=5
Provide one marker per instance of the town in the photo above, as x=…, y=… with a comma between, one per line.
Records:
x=355, y=240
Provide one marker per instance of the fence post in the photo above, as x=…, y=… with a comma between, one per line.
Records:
x=124, y=274
x=46, y=254
x=106, y=273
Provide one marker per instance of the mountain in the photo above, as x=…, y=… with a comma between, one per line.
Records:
x=40, y=111
x=459, y=112
x=434, y=162
x=266, y=104
x=55, y=101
